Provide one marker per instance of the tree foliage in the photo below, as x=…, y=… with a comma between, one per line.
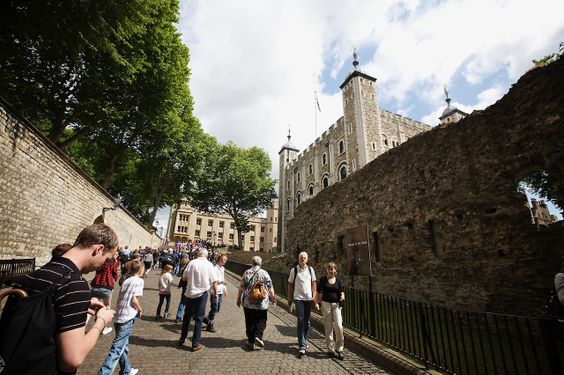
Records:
x=235, y=181
x=108, y=83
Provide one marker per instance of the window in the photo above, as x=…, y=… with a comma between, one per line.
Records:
x=197, y=233
x=385, y=140
x=199, y=221
x=343, y=172
x=288, y=205
x=270, y=230
x=350, y=129
x=310, y=168
x=274, y=239
x=324, y=159
x=262, y=239
x=252, y=238
x=298, y=198
x=231, y=236
x=311, y=190
x=221, y=224
x=374, y=145
x=209, y=235
x=253, y=227
x=251, y=248
x=341, y=147
x=262, y=228
x=183, y=217
x=220, y=235
x=232, y=226
x=299, y=176
x=325, y=182
x=288, y=184
x=210, y=223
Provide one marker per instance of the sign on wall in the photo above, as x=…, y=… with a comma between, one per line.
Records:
x=358, y=250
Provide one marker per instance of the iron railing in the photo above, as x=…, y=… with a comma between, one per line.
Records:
x=449, y=340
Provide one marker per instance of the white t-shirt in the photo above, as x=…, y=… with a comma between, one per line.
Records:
x=132, y=286
x=199, y=276
x=302, y=286
x=220, y=274
x=165, y=281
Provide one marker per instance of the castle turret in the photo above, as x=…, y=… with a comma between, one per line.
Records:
x=287, y=154
x=451, y=114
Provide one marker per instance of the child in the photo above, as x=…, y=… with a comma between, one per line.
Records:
x=128, y=310
x=165, y=283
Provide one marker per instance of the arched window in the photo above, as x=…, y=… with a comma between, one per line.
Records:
x=310, y=190
x=325, y=182
x=288, y=184
x=343, y=172
x=324, y=159
x=311, y=169
x=298, y=198
x=341, y=147
x=288, y=205
x=385, y=140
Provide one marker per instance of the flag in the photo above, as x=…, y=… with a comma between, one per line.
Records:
x=317, y=102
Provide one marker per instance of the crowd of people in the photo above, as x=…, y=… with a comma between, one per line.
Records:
x=202, y=277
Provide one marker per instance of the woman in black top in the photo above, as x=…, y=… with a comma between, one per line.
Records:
x=330, y=296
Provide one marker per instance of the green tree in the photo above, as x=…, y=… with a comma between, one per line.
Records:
x=235, y=181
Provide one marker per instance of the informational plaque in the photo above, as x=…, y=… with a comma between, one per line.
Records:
x=357, y=250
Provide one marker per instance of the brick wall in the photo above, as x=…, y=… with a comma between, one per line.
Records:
x=458, y=182
x=45, y=199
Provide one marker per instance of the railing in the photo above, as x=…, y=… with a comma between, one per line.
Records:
x=13, y=269
x=449, y=340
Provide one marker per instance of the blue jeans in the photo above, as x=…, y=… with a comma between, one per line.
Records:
x=303, y=312
x=181, y=305
x=119, y=350
x=215, y=305
x=195, y=308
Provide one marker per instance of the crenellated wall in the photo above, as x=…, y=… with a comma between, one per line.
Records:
x=451, y=226
x=45, y=199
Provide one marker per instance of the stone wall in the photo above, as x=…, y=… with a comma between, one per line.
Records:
x=45, y=199
x=443, y=207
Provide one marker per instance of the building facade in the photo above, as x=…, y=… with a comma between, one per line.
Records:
x=540, y=213
x=363, y=133
x=185, y=223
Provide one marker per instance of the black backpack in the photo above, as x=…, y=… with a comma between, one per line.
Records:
x=553, y=307
x=27, y=333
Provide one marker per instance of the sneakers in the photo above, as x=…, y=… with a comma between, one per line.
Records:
x=259, y=343
x=197, y=347
x=301, y=352
x=133, y=371
x=340, y=356
x=107, y=330
x=249, y=346
x=167, y=315
x=210, y=328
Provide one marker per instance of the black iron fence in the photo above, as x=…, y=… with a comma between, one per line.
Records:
x=449, y=340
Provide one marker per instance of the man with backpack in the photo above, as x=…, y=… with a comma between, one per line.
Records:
x=302, y=292
x=45, y=332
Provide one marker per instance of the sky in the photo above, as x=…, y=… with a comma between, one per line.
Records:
x=256, y=64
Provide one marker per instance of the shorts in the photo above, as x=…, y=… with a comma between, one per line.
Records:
x=100, y=292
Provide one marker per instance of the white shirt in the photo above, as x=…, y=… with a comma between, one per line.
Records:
x=165, y=281
x=132, y=286
x=302, y=285
x=220, y=275
x=199, y=276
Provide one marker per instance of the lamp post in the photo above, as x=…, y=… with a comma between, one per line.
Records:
x=117, y=202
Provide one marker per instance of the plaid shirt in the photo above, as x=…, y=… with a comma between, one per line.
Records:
x=106, y=275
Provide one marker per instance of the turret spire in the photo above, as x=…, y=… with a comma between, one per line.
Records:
x=355, y=59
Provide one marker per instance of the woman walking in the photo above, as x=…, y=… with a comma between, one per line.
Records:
x=331, y=297
x=255, y=309
x=165, y=282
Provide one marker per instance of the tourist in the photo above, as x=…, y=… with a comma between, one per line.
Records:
x=256, y=312
x=165, y=282
x=148, y=260
x=71, y=343
x=182, y=285
x=200, y=276
x=103, y=284
x=215, y=302
x=331, y=297
x=302, y=292
x=128, y=310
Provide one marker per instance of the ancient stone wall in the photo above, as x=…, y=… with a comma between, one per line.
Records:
x=443, y=207
x=45, y=199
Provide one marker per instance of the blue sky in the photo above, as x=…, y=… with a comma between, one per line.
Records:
x=255, y=64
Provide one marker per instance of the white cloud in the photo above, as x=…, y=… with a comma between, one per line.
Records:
x=256, y=63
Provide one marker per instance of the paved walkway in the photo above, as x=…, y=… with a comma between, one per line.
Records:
x=153, y=344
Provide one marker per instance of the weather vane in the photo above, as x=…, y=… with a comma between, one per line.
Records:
x=446, y=93
x=355, y=58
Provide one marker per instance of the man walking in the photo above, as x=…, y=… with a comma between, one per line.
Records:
x=215, y=302
x=200, y=277
x=302, y=292
x=71, y=300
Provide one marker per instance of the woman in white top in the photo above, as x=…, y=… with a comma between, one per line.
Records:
x=165, y=282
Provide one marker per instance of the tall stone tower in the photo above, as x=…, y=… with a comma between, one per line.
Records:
x=362, y=136
x=287, y=154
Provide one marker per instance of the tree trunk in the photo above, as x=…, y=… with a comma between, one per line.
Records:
x=110, y=171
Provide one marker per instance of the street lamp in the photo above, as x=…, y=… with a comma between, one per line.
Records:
x=100, y=219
